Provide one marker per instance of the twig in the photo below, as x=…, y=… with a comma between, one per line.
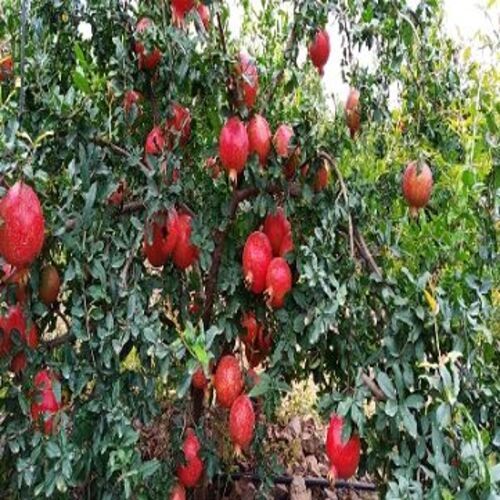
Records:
x=365, y=253
x=126, y=267
x=59, y=340
x=373, y=386
x=343, y=189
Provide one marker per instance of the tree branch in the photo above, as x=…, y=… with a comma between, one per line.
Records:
x=365, y=253
x=373, y=386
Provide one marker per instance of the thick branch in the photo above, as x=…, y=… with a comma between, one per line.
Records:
x=373, y=386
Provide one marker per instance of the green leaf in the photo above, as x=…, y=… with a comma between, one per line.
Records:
x=386, y=385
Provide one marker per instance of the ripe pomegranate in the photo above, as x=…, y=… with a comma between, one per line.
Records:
x=278, y=229
x=319, y=50
x=6, y=67
x=417, y=185
x=190, y=473
x=121, y=191
x=353, y=112
x=12, y=321
x=241, y=423
x=343, y=456
x=228, y=380
x=321, y=178
x=131, y=99
x=155, y=142
x=233, y=147
x=204, y=13
x=259, y=137
x=278, y=282
x=249, y=323
x=161, y=236
x=281, y=140
x=45, y=404
x=18, y=363
x=178, y=492
x=178, y=125
x=50, y=283
x=147, y=60
x=179, y=10
x=191, y=446
x=199, y=380
x=247, y=80
x=257, y=255
x=185, y=253
x=22, y=225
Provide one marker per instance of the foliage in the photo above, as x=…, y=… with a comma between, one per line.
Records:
x=420, y=339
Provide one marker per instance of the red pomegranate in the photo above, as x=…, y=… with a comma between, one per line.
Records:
x=185, y=253
x=18, y=363
x=191, y=446
x=190, y=473
x=281, y=140
x=241, y=422
x=117, y=196
x=228, y=380
x=22, y=225
x=161, y=236
x=45, y=405
x=131, y=99
x=417, y=185
x=343, y=456
x=247, y=80
x=178, y=125
x=212, y=165
x=204, y=13
x=249, y=323
x=233, y=147
x=12, y=321
x=279, y=231
x=257, y=255
x=199, y=380
x=155, y=142
x=259, y=137
x=179, y=10
x=278, y=282
x=6, y=67
x=178, y=492
x=321, y=178
x=319, y=50
x=353, y=112
x=50, y=284
x=148, y=60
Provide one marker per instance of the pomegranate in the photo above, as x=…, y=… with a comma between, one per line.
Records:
x=319, y=50
x=321, y=178
x=13, y=321
x=6, y=67
x=131, y=100
x=22, y=225
x=18, y=363
x=253, y=378
x=179, y=10
x=278, y=282
x=247, y=80
x=204, y=13
x=178, y=492
x=249, y=323
x=155, y=142
x=278, y=229
x=178, y=125
x=259, y=137
x=212, y=164
x=257, y=255
x=191, y=446
x=233, y=147
x=343, y=456
x=161, y=237
x=241, y=423
x=147, y=60
x=199, y=380
x=353, y=112
x=281, y=140
x=290, y=166
x=185, y=253
x=228, y=380
x=45, y=404
x=117, y=196
x=417, y=185
x=50, y=283
x=190, y=473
